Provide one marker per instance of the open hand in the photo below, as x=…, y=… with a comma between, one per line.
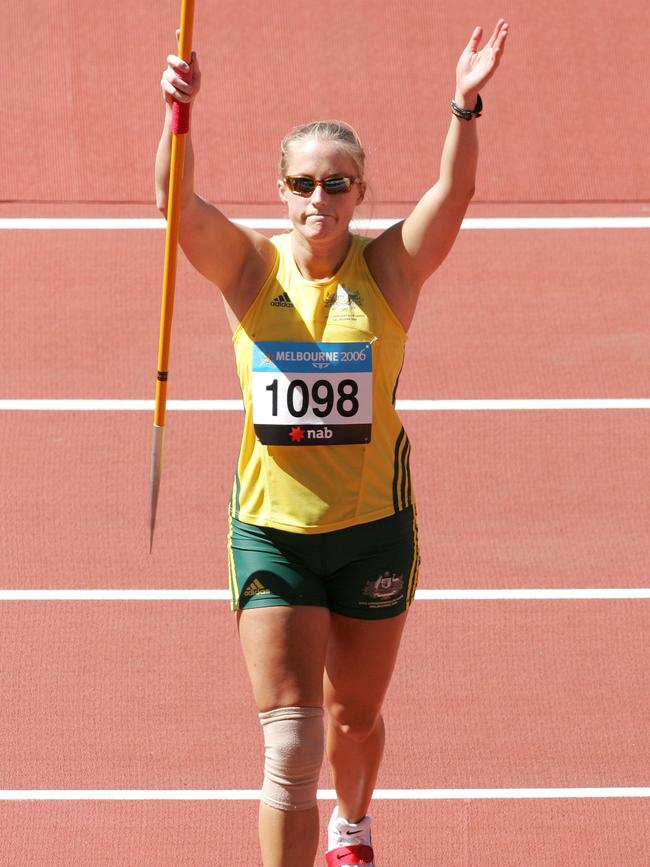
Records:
x=475, y=68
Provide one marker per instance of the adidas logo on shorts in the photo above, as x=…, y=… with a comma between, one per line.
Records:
x=256, y=588
x=282, y=301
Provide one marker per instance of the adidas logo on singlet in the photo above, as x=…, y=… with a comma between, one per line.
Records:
x=282, y=301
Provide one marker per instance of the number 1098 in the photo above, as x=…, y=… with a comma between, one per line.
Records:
x=321, y=398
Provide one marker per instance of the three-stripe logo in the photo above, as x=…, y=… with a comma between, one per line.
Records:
x=282, y=301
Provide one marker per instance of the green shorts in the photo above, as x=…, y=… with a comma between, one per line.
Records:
x=368, y=571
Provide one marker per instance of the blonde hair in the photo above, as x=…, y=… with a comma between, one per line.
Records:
x=325, y=130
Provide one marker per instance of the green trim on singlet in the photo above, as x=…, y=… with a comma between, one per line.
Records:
x=402, y=493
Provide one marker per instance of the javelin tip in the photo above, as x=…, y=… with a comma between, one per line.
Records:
x=156, y=472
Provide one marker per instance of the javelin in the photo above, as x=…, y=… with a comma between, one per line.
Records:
x=180, y=127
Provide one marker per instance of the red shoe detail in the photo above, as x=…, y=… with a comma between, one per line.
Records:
x=350, y=855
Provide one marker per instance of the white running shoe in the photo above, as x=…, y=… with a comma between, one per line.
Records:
x=349, y=844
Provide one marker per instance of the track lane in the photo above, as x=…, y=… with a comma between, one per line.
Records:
x=153, y=695
x=447, y=834
x=393, y=85
x=83, y=310
x=548, y=499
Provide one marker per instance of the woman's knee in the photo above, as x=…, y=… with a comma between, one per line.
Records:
x=357, y=723
x=293, y=749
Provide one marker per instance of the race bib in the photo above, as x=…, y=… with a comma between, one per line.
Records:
x=312, y=394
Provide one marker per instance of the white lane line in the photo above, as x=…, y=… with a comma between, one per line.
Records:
x=556, y=223
x=483, y=223
x=91, y=405
x=80, y=223
x=323, y=794
x=198, y=595
x=523, y=404
x=537, y=593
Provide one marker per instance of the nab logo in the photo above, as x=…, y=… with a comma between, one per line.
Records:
x=298, y=434
x=321, y=433
x=282, y=301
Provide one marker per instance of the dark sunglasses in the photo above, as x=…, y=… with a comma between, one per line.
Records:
x=305, y=186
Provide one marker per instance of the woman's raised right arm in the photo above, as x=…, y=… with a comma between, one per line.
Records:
x=235, y=258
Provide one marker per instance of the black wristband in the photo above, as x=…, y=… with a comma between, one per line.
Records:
x=468, y=113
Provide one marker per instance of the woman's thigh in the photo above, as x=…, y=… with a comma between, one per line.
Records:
x=284, y=650
x=360, y=660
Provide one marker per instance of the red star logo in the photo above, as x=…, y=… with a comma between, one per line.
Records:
x=296, y=434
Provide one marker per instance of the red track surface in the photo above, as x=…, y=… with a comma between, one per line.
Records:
x=486, y=694
x=566, y=120
x=133, y=695
x=506, y=500
x=451, y=833
x=510, y=314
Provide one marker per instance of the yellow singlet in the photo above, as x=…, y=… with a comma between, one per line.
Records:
x=318, y=361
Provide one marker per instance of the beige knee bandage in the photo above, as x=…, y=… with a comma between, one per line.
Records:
x=293, y=748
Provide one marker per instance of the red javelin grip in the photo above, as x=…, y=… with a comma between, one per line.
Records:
x=181, y=110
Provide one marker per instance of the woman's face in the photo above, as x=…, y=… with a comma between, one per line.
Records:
x=320, y=216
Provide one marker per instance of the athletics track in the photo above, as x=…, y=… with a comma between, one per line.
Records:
x=518, y=716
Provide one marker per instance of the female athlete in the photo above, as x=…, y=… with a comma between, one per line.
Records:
x=322, y=551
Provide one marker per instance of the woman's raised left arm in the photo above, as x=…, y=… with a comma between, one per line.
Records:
x=418, y=246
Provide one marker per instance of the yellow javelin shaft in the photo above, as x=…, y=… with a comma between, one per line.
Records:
x=180, y=126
